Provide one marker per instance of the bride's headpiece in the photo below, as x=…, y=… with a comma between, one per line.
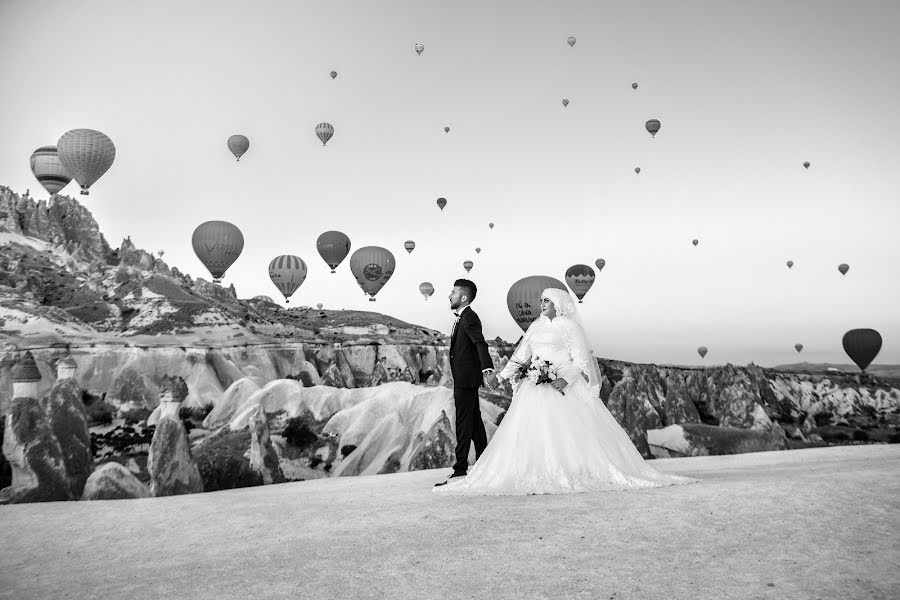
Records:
x=561, y=299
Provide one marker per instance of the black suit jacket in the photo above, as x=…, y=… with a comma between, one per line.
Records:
x=469, y=354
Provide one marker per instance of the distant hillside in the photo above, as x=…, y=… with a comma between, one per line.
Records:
x=62, y=284
x=806, y=367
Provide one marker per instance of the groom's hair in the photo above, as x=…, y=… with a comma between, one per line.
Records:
x=468, y=287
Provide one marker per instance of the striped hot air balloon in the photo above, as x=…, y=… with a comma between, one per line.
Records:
x=653, y=126
x=862, y=346
x=419, y=49
x=48, y=170
x=238, y=144
x=324, y=131
x=565, y=102
x=333, y=247
x=571, y=41
x=86, y=155
x=217, y=244
x=287, y=272
x=467, y=265
x=263, y=298
x=426, y=289
x=798, y=347
x=580, y=278
x=600, y=264
x=634, y=86
x=524, y=298
x=372, y=266
x=409, y=245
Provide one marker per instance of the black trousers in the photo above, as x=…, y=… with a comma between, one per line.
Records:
x=469, y=427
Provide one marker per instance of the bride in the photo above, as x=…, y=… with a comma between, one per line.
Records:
x=557, y=436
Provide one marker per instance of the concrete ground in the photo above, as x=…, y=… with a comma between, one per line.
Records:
x=816, y=523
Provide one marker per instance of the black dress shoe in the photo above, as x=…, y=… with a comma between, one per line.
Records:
x=454, y=476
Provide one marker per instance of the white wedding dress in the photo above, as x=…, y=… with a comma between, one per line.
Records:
x=552, y=443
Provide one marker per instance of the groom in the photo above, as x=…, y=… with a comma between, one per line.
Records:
x=471, y=366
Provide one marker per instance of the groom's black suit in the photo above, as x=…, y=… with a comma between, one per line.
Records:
x=469, y=356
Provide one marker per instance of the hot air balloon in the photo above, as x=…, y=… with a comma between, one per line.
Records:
x=806, y=165
x=634, y=85
x=580, y=278
x=86, y=155
x=695, y=242
x=217, y=244
x=565, y=101
x=372, y=266
x=862, y=346
x=798, y=347
x=652, y=126
x=409, y=245
x=600, y=264
x=702, y=351
x=790, y=264
x=48, y=170
x=446, y=130
x=571, y=41
x=477, y=250
x=637, y=170
x=467, y=265
x=419, y=49
x=238, y=144
x=319, y=305
x=287, y=272
x=324, y=131
x=160, y=253
x=843, y=268
x=441, y=202
x=333, y=74
x=426, y=289
x=333, y=247
x=524, y=298
x=264, y=299
x=491, y=225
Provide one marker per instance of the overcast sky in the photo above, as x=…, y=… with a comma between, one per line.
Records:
x=746, y=92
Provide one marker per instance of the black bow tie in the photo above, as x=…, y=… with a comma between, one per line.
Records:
x=456, y=313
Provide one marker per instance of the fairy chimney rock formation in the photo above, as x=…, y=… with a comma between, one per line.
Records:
x=65, y=369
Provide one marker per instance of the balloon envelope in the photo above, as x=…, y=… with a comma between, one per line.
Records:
x=238, y=144
x=333, y=247
x=48, y=169
x=217, y=244
x=798, y=347
x=477, y=250
x=637, y=170
x=580, y=278
x=467, y=265
x=634, y=86
x=409, y=245
x=86, y=155
x=420, y=48
x=862, y=346
x=565, y=101
x=843, y=268
x=333, y=74
x=701, y=351
x=262, y=298
x=324, y=131
x=790, y=264
x=441, y=202
x=571, y=41
x=600, y=264
x=287, y=272
x=524, y=298
x=695, y=242
x=426, y=289
x=491, y=225
x=653, y=126
x=372, y=266
x=446, y=130
x=806, y=165
x=319, y=305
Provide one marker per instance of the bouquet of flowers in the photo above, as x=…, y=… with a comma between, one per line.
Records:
x=538, y=372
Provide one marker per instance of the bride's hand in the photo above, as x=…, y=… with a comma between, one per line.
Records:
x=559, y=384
